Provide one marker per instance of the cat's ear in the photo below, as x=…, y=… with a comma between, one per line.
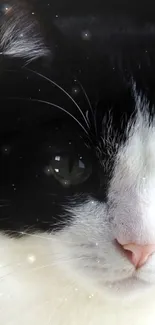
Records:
x=20, y=35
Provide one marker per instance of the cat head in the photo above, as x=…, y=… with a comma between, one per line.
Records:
x=84, y=176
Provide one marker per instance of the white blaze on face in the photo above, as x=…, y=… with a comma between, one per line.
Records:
x=132, y=189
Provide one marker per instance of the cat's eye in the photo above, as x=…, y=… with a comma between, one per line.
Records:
x=69, y=169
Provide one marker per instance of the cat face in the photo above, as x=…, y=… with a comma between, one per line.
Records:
x=86, y=178
x=127, y=215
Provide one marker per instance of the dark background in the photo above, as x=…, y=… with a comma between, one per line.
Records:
x=99, y=42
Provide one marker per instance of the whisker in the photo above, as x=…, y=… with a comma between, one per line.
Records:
x=50, y=104
x=86, y=96
x=24, y=233
x=64, y=91
x=37, y=235
x=58, y=262
x=87, y=116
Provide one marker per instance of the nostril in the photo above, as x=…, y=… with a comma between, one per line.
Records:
x=137, y=254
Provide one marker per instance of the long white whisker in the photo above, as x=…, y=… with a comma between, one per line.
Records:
x=36, y=235
x=64, y=91
x=86, y=96
x=51, y=104
x=58, y=262
x=24, y=233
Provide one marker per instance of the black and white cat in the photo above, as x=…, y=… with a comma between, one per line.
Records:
x=77, y=185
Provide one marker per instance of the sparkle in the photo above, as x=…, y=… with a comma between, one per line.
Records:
x=75, y=90
x=31, y=259
x=56, y=16
x=33, y=13
x=14, y=188
x=7, y=9
x=96, y=244
x=91, y=296
x=6, y=149
x=66, y=183
x=86, y=35
x=56, y=170
x=48, y=170
x=57, y=158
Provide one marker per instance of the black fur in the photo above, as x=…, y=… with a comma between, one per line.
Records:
x=121, y=49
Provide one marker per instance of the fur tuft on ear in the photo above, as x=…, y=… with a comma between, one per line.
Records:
x=20, y=36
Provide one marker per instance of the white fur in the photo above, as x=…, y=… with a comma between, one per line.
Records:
x=20, y=36
x=36, y=289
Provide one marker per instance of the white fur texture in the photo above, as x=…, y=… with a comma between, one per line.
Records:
x=36, y=288
x=20, y=36
x=78, y=275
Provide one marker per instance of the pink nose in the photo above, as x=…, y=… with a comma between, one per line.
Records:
x=138, y=254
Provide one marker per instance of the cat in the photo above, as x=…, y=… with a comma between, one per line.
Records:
x=77, y=224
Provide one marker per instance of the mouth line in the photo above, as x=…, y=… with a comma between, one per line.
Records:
x=134, y=279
